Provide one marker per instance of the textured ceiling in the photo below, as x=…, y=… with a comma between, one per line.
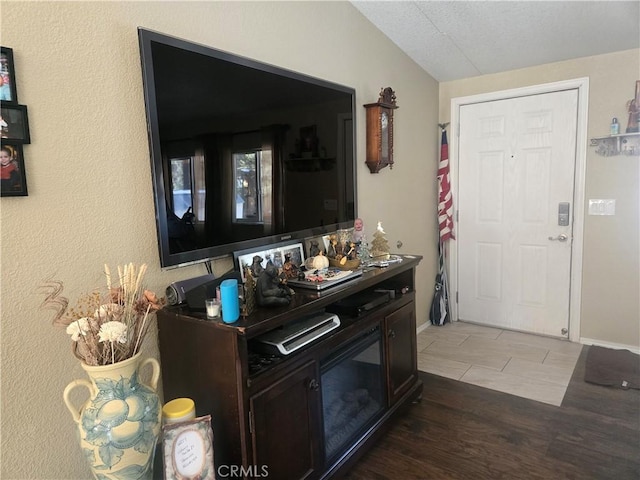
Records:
x=460, y=39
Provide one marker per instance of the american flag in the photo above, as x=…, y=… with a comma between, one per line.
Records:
x=445, y=199
x=439, y=312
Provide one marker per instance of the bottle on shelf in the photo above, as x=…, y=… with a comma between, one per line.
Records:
x=615, y=126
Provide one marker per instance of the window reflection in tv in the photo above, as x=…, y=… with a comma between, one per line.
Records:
x=243, y=153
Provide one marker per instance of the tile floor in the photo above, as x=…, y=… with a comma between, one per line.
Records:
x=521, y=364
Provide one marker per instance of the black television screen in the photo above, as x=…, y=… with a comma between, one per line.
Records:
x=243, y=154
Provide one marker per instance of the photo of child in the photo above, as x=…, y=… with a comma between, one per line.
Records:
x=12, y=180
x=5, y=89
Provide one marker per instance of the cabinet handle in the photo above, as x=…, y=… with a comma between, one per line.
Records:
x=313, y=384
x=391, y=334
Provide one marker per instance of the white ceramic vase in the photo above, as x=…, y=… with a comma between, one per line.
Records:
x=119, y=424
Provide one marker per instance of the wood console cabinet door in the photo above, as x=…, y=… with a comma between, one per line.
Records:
x=285, y=424
x=400, y=328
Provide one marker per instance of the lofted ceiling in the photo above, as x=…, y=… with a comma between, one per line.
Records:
x=459, y=39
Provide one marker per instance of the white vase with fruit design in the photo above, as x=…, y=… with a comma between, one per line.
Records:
x=119, y=424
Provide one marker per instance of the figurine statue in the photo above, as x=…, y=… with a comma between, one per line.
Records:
x=634, y=111
x=332, y=250
x=314, y=249
x=270, y=292
x=250, y=293
x=289, y=268
x=256, y=266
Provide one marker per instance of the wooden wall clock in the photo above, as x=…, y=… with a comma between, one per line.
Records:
x=380, y=131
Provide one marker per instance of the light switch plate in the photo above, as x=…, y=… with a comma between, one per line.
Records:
x=602, y=206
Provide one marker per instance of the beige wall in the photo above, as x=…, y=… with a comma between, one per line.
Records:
x=610, y=309
x=90, y=196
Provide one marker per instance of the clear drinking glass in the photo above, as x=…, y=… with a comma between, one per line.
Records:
x=213, y=308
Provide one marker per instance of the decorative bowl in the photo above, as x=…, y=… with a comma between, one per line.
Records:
x=349, y=264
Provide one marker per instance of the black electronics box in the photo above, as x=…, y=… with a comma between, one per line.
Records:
x=360, y=303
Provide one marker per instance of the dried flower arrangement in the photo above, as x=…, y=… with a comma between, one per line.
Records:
x=106, y=327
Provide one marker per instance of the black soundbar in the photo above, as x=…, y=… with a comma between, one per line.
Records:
x=197, y=296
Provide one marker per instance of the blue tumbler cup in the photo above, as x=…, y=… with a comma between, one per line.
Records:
x=229, y=300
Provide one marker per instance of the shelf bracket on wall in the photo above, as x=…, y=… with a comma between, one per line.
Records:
x=621, y=144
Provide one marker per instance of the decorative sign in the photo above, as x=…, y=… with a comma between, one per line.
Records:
x=188, y=449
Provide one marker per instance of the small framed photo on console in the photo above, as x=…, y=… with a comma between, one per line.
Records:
x=315, y=245
x=256, y=259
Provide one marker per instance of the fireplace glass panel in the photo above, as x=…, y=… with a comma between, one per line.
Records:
x=352, y=391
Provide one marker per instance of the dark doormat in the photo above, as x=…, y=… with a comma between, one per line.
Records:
x=616, y=368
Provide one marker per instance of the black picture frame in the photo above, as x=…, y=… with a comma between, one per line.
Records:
x=8, y=90
x=14, y=123
x=15, y=183
x=276, y=253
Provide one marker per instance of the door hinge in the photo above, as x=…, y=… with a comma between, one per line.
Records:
x=456, y=297
x=250, y=421
x=457, y=216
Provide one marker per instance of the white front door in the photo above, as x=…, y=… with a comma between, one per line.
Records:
x=516, y=174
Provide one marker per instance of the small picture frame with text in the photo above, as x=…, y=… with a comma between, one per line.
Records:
x=188, y=449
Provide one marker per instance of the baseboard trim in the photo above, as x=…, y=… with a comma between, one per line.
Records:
x=617, y=346
x=423, y=327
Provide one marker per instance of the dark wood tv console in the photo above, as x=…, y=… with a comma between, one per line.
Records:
x=267, y=411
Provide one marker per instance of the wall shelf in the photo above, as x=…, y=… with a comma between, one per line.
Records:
x=621, y=144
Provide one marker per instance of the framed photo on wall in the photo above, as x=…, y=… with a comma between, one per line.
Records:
x=13, y=178
x=8, y=91
x=14, y=123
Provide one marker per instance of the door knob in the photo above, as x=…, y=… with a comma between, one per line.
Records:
x=561, y=238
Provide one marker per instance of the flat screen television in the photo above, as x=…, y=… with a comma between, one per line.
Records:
x=243, y=154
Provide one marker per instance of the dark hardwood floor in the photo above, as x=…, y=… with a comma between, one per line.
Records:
x=460, y=431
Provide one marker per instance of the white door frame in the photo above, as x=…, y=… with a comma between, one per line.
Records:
x=582, y=85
